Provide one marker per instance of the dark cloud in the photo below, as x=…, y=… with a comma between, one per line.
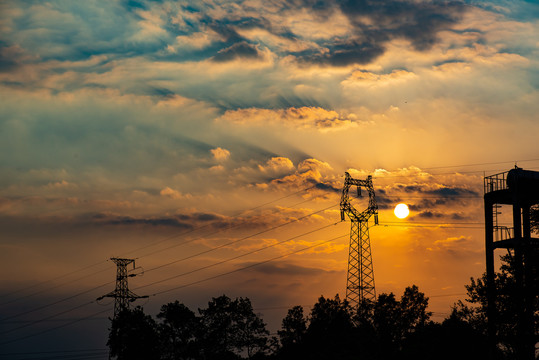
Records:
x=182, y=221
x=284, y=269
x=238, y=50
x=129, y=221
x=10, y=57
x=442, y=191
x=417, y=21
x=385, y=202
x=452, y=191
x=327, y=187
x=377, y=22
x=429, y=215
x=346, y=53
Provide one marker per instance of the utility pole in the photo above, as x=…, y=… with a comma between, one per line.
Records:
x=360, y=276
x=122, y=295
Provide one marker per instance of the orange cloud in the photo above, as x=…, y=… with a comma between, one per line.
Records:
x=220, y=154
x=300, y=118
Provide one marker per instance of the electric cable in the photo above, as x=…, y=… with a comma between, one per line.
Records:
x=235, y=257
x=241, y=239
x=56, y=327
x=55, y=302
x=248, y=266
x=53, y=287
x=137, y=249
x=86, y=291
x=59, y=355
x=211, y=233
x=46, y=282
x=206, y=225
x=150, y=245
x=157, y=293
x=48, y=318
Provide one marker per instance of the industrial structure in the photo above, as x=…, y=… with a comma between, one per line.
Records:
x=518, y=189
x=122, y=295
x=360, y=276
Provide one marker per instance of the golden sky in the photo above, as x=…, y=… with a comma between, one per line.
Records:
x=209, y=140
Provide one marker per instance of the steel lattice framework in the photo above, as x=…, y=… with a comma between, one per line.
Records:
x=360, y=277
x=122, y=295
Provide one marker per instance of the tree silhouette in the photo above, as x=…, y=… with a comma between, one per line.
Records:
x=507, y=309
x=133, y=336
x=177, y=332
x=375, y=330
x=331, y=332
x=230, y=328
x=292, y=333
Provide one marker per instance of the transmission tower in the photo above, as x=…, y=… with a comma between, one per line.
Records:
x=122, y=295
x=360, y=277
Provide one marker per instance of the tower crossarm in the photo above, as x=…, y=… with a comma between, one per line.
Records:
x=348, y=209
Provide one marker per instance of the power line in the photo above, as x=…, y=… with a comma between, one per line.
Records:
x=47, y=318
x=206, y=225
x=48, y=281
x=479, y=164
x=86, y=291
x=432, y=226
x=439, y=174
x=53, y=287
x=235, y=257
x=248, y=266
x=70, y=297
x=56, y=302
x=60, y=354
x=132, y=251
x=241, y=239
x=56, y=327
x=205, y=235
x=473, y=164
x=157, y=293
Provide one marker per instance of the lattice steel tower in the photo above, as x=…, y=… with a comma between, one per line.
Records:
x=360, y=277
x=122, y=295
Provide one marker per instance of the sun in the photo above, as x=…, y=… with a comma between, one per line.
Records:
x=401, y=211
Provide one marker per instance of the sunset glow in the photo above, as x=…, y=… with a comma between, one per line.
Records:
x=209, y=140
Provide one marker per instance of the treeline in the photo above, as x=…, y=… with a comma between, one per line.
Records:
x=389, y=328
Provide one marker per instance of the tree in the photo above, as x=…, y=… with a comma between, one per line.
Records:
x=395, y=322
x=133, y=336
x=294, y=326
x=331, y=332
x=230, y=329
x=292, y=333
x=507, y=308
x=177, y=332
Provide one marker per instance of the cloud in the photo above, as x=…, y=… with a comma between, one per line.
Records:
x=300, y=118
x=284, y=269
x=314, y=175
x=220, y=154
x=241, y=50
x=374, y=24
x=277, y=165
x=171, y=193
x=455, y=246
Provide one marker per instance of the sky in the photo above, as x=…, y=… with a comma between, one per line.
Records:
x=208, y=140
